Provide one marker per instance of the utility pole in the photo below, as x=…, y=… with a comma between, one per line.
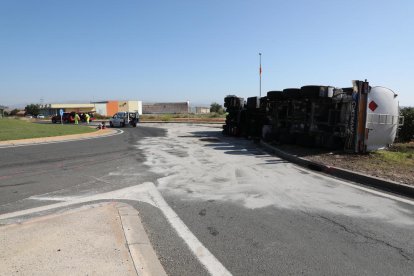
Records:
x=260, y=73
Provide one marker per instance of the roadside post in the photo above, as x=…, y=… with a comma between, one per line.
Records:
x=61, y=116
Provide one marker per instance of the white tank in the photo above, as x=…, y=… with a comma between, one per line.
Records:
x=382, y=118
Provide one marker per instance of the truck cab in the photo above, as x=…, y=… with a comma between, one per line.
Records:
x=123, y=119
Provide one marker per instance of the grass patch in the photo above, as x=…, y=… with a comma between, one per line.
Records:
x=399, y=154
x=15, y=129
x=166, y=118
x=395, y=163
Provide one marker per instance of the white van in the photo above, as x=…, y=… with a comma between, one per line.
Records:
x=122, y=119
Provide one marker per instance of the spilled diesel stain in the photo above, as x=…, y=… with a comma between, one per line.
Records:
x=213, y=231
x=210, y=139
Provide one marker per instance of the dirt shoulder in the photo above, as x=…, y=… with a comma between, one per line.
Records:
x=396, y=163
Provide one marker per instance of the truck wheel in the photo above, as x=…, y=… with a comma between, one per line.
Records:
x=311, y=91
x=275, y=95
x=292, y=93
x=122, y=124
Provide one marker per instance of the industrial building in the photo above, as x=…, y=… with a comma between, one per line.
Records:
x=202, y=110
x=104, y=108
x=166, y=108
x=109, y=108
x=53, y=109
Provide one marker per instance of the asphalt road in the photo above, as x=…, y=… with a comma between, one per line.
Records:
x=255, y=213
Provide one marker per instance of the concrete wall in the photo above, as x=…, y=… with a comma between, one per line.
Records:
x=122, y=106
x=140, y=107
x=111, y=108
x=101, y=108
x=166, y=108
x=202, y=110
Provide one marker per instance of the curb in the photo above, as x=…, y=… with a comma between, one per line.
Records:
x=371, y=181
x=56, y=139
x=143, y=255
x=169, y=122
x=182, y=122
x=144, y=258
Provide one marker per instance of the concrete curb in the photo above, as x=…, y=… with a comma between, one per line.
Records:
x=145, y=260
x=371, y=181
x=169, y=122
x=57, y=139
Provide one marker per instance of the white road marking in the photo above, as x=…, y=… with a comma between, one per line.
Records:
x=199, y=250
x=146, y=192
x=118, y=131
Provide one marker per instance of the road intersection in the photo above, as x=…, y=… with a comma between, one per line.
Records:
x=215, y=205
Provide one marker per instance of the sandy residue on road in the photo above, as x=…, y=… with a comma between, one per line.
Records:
x=197, y=162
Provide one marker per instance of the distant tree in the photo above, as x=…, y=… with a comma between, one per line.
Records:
x=14, y=112
x=216, y=108
x=406, y=132
x=32, y=109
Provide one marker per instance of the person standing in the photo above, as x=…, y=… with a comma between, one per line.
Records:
x=77, y=118
x=87, y=117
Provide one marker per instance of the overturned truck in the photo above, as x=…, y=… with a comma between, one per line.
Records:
x=360, y=118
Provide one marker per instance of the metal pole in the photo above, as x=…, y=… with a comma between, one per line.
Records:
x=260, y=72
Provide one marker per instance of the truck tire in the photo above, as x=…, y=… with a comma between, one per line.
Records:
x=292, y=93
x=311, y=91
x=348, y=90
x=122, y=124
x=275, y=95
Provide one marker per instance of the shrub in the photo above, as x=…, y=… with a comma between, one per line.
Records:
x=216, y=108
x=406, y=132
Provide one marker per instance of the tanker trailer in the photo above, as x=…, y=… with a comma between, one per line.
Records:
x=382, y=118
x=356, y=119
x=375, y=118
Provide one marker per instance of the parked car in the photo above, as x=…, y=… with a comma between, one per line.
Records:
x=40, y=116
x=66, y=118
x=69, y=118
x=83, y=117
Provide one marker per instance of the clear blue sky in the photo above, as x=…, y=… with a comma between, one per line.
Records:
x=83, y=50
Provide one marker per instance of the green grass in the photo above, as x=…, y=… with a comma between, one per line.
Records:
x=401, y=154
x=166, y=118
x=15, y=129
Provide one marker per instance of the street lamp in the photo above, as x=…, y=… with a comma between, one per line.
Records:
x=260, y=73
